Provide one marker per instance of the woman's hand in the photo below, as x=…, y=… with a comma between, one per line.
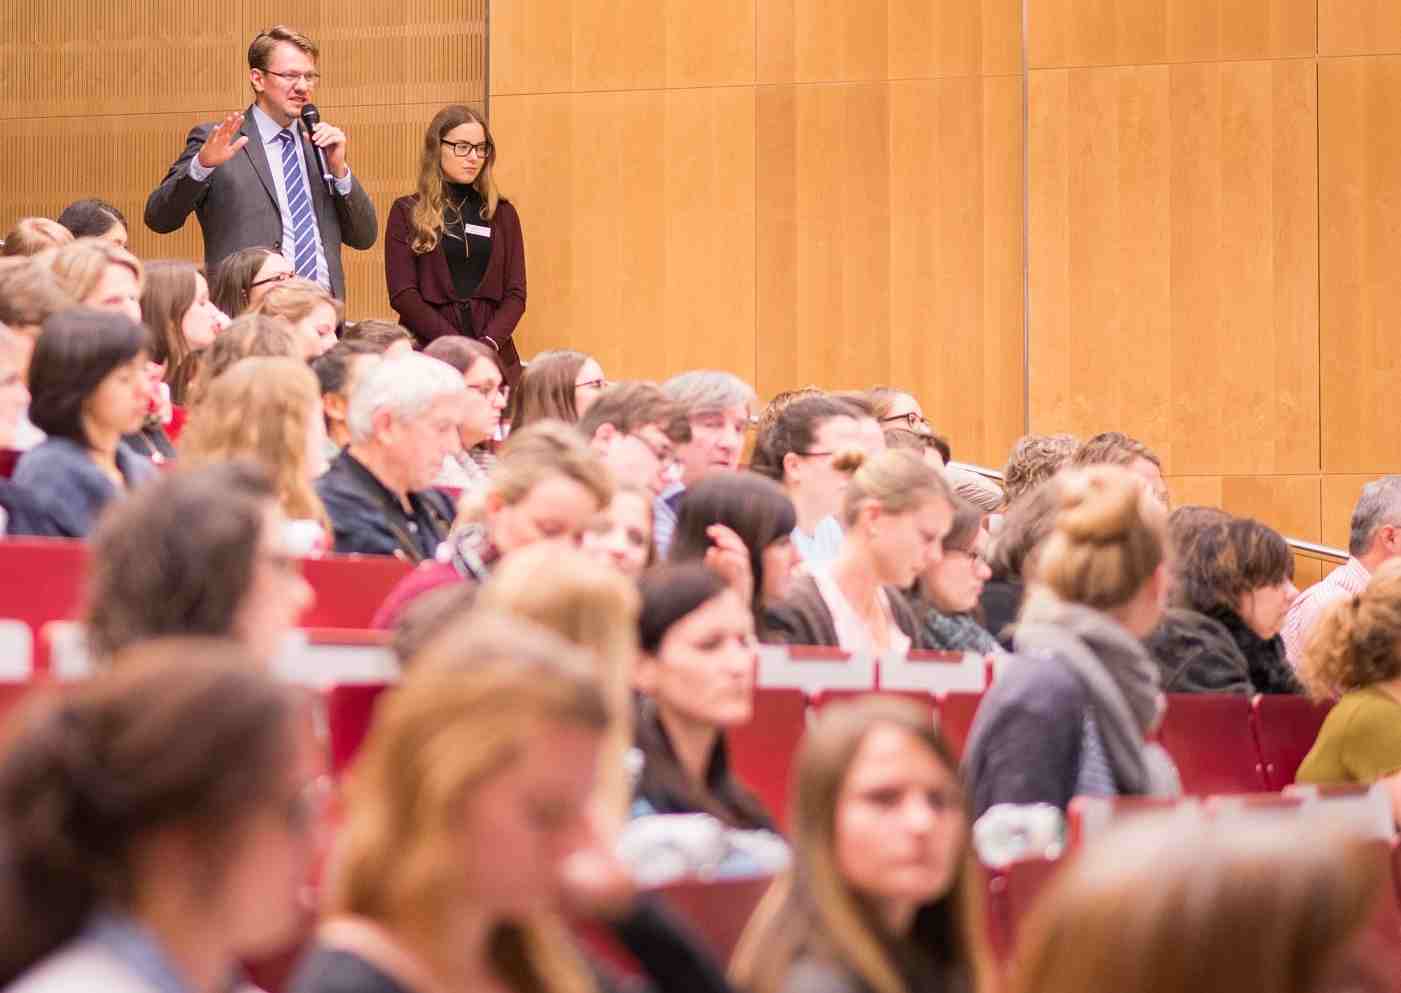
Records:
x=729, y=556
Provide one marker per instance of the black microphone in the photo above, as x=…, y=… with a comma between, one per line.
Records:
x=310, y=118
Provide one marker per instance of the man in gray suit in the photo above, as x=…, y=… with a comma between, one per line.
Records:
x=254, y=178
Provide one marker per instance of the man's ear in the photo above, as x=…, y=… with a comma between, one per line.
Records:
x=603, y=437
x=335, y=406
x=382, y=426
x=791, y=463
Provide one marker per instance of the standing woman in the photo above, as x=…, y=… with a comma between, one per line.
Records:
x=454, y=258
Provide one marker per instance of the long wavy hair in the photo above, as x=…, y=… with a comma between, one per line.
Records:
x=427, y=215
x=165, y=299
x=259, y=410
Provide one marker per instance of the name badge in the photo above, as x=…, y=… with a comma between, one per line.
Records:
x=481, y=231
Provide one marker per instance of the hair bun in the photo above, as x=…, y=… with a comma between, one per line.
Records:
x=1094, y=511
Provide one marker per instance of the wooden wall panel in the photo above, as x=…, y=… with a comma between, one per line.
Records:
x=638, y=209
x=1340, y=495
x=1290, y=504
x=1065, y=33
x=1360, y=210
x=807, y=41
x=556, y=46
x=1173, y=244
x=1358, y=27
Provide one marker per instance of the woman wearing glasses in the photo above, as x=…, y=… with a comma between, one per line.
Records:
x=454, y=259
x=898, y=409
x=483, y=404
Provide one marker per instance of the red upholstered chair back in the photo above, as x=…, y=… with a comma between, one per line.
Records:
x=761, y=751
x=1209, y=737
x=349, y=710
x=716, y=911
x=1285, y=729
x=350, y=588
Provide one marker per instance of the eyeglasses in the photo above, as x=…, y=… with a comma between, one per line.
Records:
x=666, y=456
x=487, y=390
x=912, y=419
x=280, y=277
x=592, y=384
x=293, y=78
x=462, y=149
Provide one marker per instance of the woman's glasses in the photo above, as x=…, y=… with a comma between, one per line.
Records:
x=462, y=149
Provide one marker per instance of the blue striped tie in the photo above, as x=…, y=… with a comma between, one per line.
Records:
x=299, y=204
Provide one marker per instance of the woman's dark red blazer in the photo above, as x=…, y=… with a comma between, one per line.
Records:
x=420, y=286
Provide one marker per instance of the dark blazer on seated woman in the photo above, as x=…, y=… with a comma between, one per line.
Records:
x=421, y=287
x=803, y=618
x=68, y=487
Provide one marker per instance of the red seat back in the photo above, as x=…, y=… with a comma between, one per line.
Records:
x=956, y=713
x=1208, y=735
x=350, y=588
x=1012, y=893
x=1285, y=729
x=41, y=580
x=716, y=911
x=761, y=751
x=9, y=458
x=350, y=708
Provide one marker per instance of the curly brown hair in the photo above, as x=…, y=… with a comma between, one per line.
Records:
x=1035, y=458
x=1228, y=559
x=1358, y=642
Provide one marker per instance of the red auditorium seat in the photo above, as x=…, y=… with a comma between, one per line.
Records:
x=956, y=713
x=350, y=588
x=1012, y=893
x=1208, y=735
x=826, y=697
x=9, y=458
x=761, y=751
x=1285, y=728
x=41, y=580
x=349, y=711
x=717, y=911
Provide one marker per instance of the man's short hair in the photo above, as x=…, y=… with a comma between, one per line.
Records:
x=29, y=294
x=1036, y=458
x=406, y=386
x=261, y=49
x=630, y=407
x=381, y=335
x=332, y=367
x=1113, y=448
x=702, y=390
x=91, y=218
x=1379, y=505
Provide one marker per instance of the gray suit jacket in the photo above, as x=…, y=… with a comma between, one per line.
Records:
x=237, y=205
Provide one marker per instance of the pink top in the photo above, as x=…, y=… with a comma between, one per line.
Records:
x=1349, y=579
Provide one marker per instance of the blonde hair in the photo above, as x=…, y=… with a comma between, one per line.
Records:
x=79, y=265
x=897, y=479
x=1109, y=537
x=1358, y=641
x=295, y=299
x=532, y=455
x=594, y=607
x=427, y=215
x=813, y=910
x=463, y=714
x=248, y=336
x=32, y=235
x=259, y=409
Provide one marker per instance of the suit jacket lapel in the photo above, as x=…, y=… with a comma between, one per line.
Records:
x=320, y=197
x=258, y=156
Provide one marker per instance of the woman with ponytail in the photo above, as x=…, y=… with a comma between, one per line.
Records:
x=1357, y=653
x=159, y=822
x=1073, y=712
x=453, y=253
x=896, y=511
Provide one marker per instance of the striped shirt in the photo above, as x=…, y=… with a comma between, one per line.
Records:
x=1349, y=579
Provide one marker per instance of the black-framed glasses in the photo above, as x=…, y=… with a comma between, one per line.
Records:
x=279, y=277
x=462, y=149
x=592, y=384
x=293, y=78
x=912, y=419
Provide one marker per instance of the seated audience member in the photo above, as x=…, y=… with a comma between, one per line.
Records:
x=309, y=309
x=946, y=594
x=763, y=422
x=1012, y=556
x=403, y=423
x=338, y=370
x=1117, y=448
x=246, y=337
x=1188, y=904
x=18, y=512
x=470, y=799
x=384, y=337
x=558, y=385
x=621, y=533
x=99, y=275
x=696, y=677
x=896, y=511
x=546, y=487
x=1072, y=715
x=923, y=444
x=872, y=433
x=32, y=235
x=175, y=307
x=741, y=525
x=159, y=821
x=1356, y=652
x=93, y=218
x=881, y=896
x=635, y=430
x=88, y=389
x=1234, y=583
x=244, y=278
x=483, y=406
x=28, y=296
x=717, y=407
x=1036, y=458
x=267, y=411
x=199, y=552
x=807, y=447
x=1374, y=539
x=980, y=491
x=898, y=409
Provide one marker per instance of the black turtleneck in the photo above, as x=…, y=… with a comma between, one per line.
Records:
x=466, y=240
